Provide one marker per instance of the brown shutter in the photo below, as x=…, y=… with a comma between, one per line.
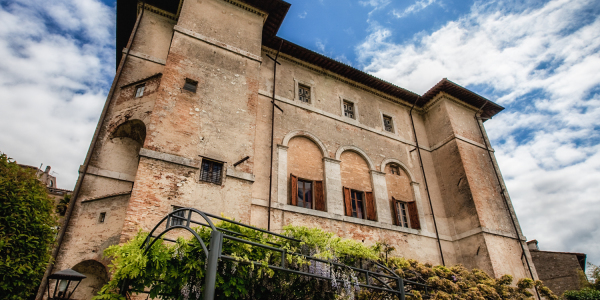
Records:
x=319, y=196
x=294, y=181
x=347, y=201
x=371, y=214
x=414, y=215
x=395, y=211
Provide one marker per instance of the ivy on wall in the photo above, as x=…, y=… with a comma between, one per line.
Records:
x=176, y=271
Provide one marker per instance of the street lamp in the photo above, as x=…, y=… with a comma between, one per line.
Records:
x=64, y=279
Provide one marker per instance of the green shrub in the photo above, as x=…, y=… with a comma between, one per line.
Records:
x=177, y=270
x=584, y=294
x=26, y=230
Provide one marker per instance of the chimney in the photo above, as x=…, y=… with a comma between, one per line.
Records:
x=533, y=245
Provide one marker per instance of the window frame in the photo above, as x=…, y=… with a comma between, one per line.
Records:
x=102, y=217
x=312, y=88
x=392, y=127
x=212, y=162
x=312, y=193
x=190, y=83
x=177, y=221
x=395, y=167
x=137, y=92
x=353, y=105
x=363, y=204
x=402, y=214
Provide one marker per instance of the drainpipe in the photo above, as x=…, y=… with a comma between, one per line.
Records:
x=275, y=63
x=503, y=192
x=69, y=212
x=425, y=180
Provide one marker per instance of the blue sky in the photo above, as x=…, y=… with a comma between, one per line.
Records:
x=539, y=59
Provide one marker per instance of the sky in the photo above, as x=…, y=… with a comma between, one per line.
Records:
x=538, y=59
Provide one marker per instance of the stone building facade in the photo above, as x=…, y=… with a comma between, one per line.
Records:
x=350, y=153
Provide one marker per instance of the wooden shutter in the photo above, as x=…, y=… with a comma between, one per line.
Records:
x=413, y=215
x=294, y=181
x=395, y=211
x=370, y=204
x=347, y=202
x=319, y=196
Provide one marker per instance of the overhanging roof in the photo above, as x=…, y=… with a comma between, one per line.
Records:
x=277, y=10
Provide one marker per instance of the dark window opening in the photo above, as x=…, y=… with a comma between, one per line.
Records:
x=211, y=171
x=349, y=109
x=179, y=217
x=305, y=193
x=102, y=217
x=395, y=169
x=357, y=204
x=387, y=124
x=304, y=93
x=190, y=85
x=139, y=90
x=402, y=210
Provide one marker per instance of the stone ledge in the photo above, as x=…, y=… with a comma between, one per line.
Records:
x=217, y=43
x=145, y=57
x=231, y=172
x=170, y=158
x=105, y=197
x=110, y=174
x=326, y=215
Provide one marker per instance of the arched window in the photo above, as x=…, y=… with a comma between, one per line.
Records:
x=121, y=154
x=358, y=191
x=402, y=202
x=305, y=167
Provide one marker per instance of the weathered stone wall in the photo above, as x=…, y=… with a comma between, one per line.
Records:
x=305, y=159
x=398, y=185
x=355, y=172
x=559, y=271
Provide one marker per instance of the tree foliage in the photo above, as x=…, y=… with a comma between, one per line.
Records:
x=590, y=285
x=26, y=230
x=176, y=271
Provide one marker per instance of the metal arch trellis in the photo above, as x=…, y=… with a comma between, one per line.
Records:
x=383, y=279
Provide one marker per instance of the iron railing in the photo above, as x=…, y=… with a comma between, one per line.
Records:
x=374, y=276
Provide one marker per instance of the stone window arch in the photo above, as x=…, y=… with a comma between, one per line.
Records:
x=355, y=170
x=121, y=153
x=402, y=194
x=306, y=173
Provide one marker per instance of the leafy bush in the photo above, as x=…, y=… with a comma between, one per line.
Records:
x=584, y=294
x=170, y=271
x=26, y=230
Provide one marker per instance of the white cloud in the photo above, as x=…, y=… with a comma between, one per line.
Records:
x=542, y=64
x=56, y=69
x=416, y=7
x=302, y=15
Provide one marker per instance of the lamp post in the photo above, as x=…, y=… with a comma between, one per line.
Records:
x=64, y=279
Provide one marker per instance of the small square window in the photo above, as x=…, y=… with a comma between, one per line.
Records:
x=211, y=171
x=102, y=217
x=304, y=93
x=190, y=85
x=178, y=217
x=139, y=90
x=349, y=109
x=387, y=124
x=395, y=169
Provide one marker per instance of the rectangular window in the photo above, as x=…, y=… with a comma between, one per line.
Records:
x=304, y=93
x=211, y=171
x=395, y=169
x=179, y=217
x=387, y=123
x=357, y=204
x=139, y=90
x=348, y=109
x=102, y=217
x=190, y=85
x=402, y=210
x=305, y=193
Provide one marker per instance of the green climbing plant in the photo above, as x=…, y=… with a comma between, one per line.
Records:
x=176, y=270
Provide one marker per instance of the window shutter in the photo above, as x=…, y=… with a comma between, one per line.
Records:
x=395, y=211
x=319, y=196
x=347, y=201
x=294, y=181
x=414, y=215
x=371, y=215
